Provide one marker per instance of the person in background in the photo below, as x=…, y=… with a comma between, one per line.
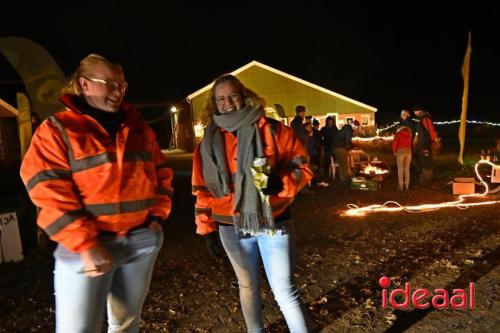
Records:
x=426, y=135
x=310, y=144
x=347, y=132
x=316, y=131
x=252, y=217
x=330, y=135
x=340, y=150
x=307, y=121
x=99, y=178
x=313, y=151
x=316, y=160
x=405, y=119
x=401, y=147
x=298, y=125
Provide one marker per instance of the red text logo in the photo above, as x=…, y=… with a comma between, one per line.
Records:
x=419, y=298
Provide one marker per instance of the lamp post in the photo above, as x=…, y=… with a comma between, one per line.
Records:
x=173, y=124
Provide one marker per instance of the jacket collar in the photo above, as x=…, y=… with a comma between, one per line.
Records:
x=260, y=123
x=130, y=113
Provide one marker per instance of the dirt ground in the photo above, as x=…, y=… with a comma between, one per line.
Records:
x=339, y=261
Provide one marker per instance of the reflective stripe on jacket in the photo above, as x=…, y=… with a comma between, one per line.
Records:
x=285, y=153
x=84, y=182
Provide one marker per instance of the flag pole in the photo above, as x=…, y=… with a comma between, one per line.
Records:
x=465, y=98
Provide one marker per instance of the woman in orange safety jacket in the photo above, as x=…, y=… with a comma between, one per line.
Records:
x=99, y=178
x=246, y=173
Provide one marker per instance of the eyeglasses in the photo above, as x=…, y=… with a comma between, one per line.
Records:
x=121, y=87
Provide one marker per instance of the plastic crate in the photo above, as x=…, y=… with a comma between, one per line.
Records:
x=364, y=185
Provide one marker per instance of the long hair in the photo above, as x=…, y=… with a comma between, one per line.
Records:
x=249, y=97
x=84, y=69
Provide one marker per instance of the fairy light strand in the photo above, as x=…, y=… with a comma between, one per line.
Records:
x=378, y=137
x=447, y=122
x=393, y=206
x=474, y=122
x=373, y=138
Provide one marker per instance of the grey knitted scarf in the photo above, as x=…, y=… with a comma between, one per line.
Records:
x=251, y=215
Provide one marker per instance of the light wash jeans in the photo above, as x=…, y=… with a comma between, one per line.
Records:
x=80, y=300
x=276, y=253
x=403, y=160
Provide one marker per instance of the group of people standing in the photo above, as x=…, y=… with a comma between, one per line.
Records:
x=423, y=132
x=325, y=146
x=103, y=189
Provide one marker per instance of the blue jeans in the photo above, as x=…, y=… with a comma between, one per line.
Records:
x=276, y=253
x=80, y=300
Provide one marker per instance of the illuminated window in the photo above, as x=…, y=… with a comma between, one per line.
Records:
x=348, y=120
x=365, y=120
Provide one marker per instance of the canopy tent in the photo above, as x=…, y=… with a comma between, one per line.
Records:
x=41, y=75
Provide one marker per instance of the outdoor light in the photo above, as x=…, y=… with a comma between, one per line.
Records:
x=198, y=130
x=174, y=127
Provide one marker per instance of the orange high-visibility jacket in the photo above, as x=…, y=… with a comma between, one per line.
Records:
x=285, y=153
x=83, y=181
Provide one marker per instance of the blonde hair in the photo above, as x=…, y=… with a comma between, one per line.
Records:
x=249, y=97
x=84, y=69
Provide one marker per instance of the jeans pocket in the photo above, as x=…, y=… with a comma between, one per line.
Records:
x=67, y=261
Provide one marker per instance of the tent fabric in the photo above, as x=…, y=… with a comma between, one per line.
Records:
x=41, y=75
x=24, y=122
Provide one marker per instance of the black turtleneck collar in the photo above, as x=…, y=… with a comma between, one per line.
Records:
x=111, y=121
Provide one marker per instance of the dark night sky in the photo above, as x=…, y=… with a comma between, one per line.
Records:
x=387, y=56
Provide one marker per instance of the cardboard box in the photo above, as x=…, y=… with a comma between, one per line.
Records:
x=464, y=186
x=495, y=174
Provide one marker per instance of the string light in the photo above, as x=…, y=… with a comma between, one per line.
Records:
x=396, y=123
x=474, y=122
x=373, y=138
x=387, y=127
x=393, y=206
x=447, y=122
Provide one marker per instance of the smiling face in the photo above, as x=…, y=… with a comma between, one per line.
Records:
x=228, y=98
x=103, y=86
